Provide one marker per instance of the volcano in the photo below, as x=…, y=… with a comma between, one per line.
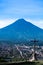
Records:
x=21, y=31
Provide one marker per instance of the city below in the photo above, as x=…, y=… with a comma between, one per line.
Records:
x=20, y=52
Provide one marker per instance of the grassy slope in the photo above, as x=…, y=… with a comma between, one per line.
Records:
x=24, y=63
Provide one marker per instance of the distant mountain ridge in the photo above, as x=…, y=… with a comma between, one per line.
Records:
x=21, y=31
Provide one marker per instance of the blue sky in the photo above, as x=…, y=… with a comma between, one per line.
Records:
x=31, y=10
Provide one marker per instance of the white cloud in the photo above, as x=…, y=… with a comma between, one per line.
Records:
x=6, y=22
x=38, y=23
